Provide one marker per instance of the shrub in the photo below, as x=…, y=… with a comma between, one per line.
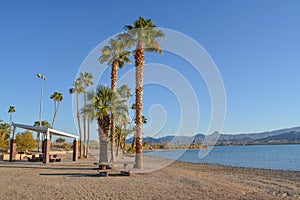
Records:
x=25, y=141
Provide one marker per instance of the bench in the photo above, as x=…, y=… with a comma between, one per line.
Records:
x=103, y=166
x=101, y=169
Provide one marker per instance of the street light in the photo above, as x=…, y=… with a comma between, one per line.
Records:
x=41, y=76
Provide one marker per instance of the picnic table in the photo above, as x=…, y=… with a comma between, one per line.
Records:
x=53, y=158
x=21, y=153
x=35, y=158
x=104, y=166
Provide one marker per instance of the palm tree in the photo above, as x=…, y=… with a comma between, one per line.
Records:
x=116, y=57
x=87, y=80
x=57, y=98
x=89, y=116
x=102, y=103
x=78, y=89
x=125, y=93
x=144, y=35
x=44, y=123
x=4, y=135
x=11, y=110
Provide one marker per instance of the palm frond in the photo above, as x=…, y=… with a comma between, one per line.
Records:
x=127, y=27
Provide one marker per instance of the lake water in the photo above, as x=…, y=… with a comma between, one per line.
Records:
x=279, y=157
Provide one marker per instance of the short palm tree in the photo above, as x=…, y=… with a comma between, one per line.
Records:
x=116, y=57
x=125, y=93
x=102, y=103
x=121, y=130
x=11, y=110
x=44, y=123
x=4, y=135
x=57, y=98
x=144, y=35
x=87, y=80
x=78, y=89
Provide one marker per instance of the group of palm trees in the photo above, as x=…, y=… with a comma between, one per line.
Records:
x=80, y=86
x=107, y=104
x=57, y=98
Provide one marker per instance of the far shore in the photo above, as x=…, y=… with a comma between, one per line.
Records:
x=253, y=144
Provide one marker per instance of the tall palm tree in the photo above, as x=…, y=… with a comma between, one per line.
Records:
x=87, y=80
x=116, y=57
x=57, y=98
x=11, y=110
x=144, y=35
x=102, y=103
x=78, y=89
x=89, y=116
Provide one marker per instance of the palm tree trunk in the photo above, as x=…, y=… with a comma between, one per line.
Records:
x=139, y=56
x=133, y=141
x=88, y=136
x=124, y=144
x=103, y=129
x=79, y=126
x=10, y=118
x=54, y=117
x=118, y=144
x=84, y=129
x=114, y=79
x=55, y=114
x=112, y=136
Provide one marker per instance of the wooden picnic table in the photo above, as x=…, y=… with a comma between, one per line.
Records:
x=53, y=158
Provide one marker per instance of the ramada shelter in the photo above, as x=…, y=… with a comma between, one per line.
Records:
x=46, y=142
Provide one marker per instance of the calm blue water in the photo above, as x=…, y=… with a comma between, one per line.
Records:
x=279, y=157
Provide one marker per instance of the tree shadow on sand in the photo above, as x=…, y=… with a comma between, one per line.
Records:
x=78, y=175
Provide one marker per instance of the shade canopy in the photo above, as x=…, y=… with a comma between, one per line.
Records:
x=45, y=130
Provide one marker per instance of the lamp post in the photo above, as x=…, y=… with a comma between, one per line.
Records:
x=41, y=97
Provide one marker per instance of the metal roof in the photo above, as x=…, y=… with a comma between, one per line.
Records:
x=44, y=130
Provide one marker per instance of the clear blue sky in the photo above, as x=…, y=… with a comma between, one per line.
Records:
x=254, y=43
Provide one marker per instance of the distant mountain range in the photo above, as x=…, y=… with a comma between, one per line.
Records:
x=282, y=136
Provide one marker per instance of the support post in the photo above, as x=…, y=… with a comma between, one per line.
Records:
x=46, y=148
x=43, y=144
x=13, y=146
x=75, y=150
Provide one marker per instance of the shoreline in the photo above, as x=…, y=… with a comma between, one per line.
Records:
x=222, y=165
x=269, y=162
x=257, y=144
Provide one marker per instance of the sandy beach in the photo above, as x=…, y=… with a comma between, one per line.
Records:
x=77, y=180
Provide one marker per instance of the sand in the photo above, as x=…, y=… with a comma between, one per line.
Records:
x=77, y=180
